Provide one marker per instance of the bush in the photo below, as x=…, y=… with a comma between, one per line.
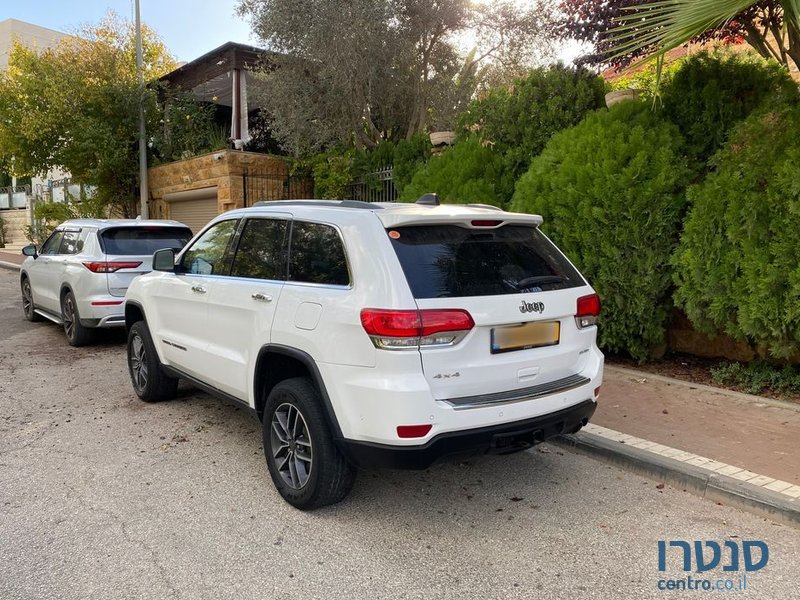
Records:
x=758, y=377
x=332, y=172
x=611, y=193
x=410, y=155
x=517, y=121
x=48, y=215
x=469, y=172
x=737, y=264
x=710, y=93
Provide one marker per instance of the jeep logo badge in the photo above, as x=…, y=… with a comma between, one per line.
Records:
x=529, y=307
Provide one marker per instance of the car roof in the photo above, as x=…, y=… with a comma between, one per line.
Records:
x=391, y=214
x=101, y=224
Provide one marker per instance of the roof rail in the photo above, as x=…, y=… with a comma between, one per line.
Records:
x=327, y=203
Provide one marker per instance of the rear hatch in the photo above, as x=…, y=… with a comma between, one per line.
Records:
x=129, y=251
x=520, y=291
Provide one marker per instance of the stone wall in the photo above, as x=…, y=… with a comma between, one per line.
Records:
x=223, y=169
x=683, y=337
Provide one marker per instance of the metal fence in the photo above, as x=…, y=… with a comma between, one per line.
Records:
x=276, y=184
x=14, y=197
x=377, y=186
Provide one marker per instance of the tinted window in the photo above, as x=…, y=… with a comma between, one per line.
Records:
x=53, y=243
x=71, y=243
x=261, y=253
x=133, y=241
x=209, y=254
x=317, y=255
x=444, y=261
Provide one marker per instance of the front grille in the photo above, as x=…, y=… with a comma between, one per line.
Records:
x=521, y=395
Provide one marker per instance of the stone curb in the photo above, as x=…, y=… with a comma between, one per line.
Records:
x=8, y=265
x=697, y=480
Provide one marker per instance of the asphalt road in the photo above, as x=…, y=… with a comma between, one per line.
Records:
x=103, y=496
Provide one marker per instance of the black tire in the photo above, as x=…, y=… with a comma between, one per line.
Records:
x=77, y=334
x=150, y=382
x=328, y=477
x=27, y=301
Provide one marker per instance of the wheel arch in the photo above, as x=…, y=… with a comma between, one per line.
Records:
x=276, y=363
x=133, y=313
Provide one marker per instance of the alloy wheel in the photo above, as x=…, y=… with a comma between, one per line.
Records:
x=27, y=298
x=291, y=446
x=139, y=362
x=68, y=315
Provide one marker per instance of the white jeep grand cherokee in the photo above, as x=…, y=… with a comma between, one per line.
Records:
x=371, y=335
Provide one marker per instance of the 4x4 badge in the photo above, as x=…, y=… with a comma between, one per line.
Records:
x=527, y=307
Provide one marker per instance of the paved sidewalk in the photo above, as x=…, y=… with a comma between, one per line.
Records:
x=753, y=433
x=10, y=259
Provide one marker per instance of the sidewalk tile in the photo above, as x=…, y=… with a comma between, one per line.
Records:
x=699, y=461
x=793, y=491
x=745, y=475
x=729, y=470
x=684, y=456
x=715, y=465
x=761, y=480
x=778, y=486
x=643, y=445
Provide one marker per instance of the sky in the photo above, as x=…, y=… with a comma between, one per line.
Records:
x=189, y=28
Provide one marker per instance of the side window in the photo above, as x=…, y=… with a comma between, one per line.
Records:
x=71, y=243
x=317, y=255
x=261, y=253
x=52, y=244
x=208, y=255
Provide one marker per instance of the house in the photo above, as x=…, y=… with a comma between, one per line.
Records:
x=197, y=189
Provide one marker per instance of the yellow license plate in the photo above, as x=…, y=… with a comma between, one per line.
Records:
x=527, y=335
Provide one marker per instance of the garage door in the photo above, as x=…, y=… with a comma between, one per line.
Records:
x=195, y=208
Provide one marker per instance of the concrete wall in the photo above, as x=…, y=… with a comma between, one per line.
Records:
x=29, y=34
x=223, y=169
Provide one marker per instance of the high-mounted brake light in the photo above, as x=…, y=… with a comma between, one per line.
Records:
x=410, y=329
x=110, y=267
x=485, y=223
x=587, y=311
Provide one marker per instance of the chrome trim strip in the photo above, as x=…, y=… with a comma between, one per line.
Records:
x=521, y=395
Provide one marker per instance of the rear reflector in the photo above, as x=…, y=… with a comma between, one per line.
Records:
x=413, y=431
x=587, y=311
x=106, y=302
x=110, y=267
x=401, y=329
x=596, y=392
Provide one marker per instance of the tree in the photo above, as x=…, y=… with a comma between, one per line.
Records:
x=74, y=107
x=362, y=71
x=649, y=26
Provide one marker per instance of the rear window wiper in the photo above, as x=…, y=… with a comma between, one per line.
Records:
x=538, y=280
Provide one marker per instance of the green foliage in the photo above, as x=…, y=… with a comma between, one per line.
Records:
x=611, y=194
x=469, y=172
x=758, y=377
x=48, y=215
x=409, y=156
x=517, y=121
x=75, y=107
x=332, y=173
x=187, y=129
x=737, y=264
x=646, y=78
x=710, y=93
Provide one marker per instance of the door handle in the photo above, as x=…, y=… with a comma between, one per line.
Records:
x=261, y=297
x=199, y=289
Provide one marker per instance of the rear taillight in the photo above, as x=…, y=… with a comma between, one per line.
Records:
x=110, y=267
x=404, y=329
x=587, y=311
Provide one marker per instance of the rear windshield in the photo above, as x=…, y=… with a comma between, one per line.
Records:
x=143, y=240
x=445, y=261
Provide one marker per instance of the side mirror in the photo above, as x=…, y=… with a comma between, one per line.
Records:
x=30, y=250
x=164, y=260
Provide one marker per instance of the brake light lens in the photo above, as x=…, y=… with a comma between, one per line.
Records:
x=587, y=311
x=110, y=267
x=485, y=223
x=411, y=329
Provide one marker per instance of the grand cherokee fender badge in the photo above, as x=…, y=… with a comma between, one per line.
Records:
x=529, y=307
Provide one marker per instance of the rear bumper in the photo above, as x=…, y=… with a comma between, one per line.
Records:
x=498, y=439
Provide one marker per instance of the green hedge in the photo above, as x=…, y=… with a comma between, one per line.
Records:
x=710, y=93
x=738, y=264
x=469, y=172
x=611, y=193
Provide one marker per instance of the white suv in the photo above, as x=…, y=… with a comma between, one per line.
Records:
x=79, y=276
x=367, y=335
